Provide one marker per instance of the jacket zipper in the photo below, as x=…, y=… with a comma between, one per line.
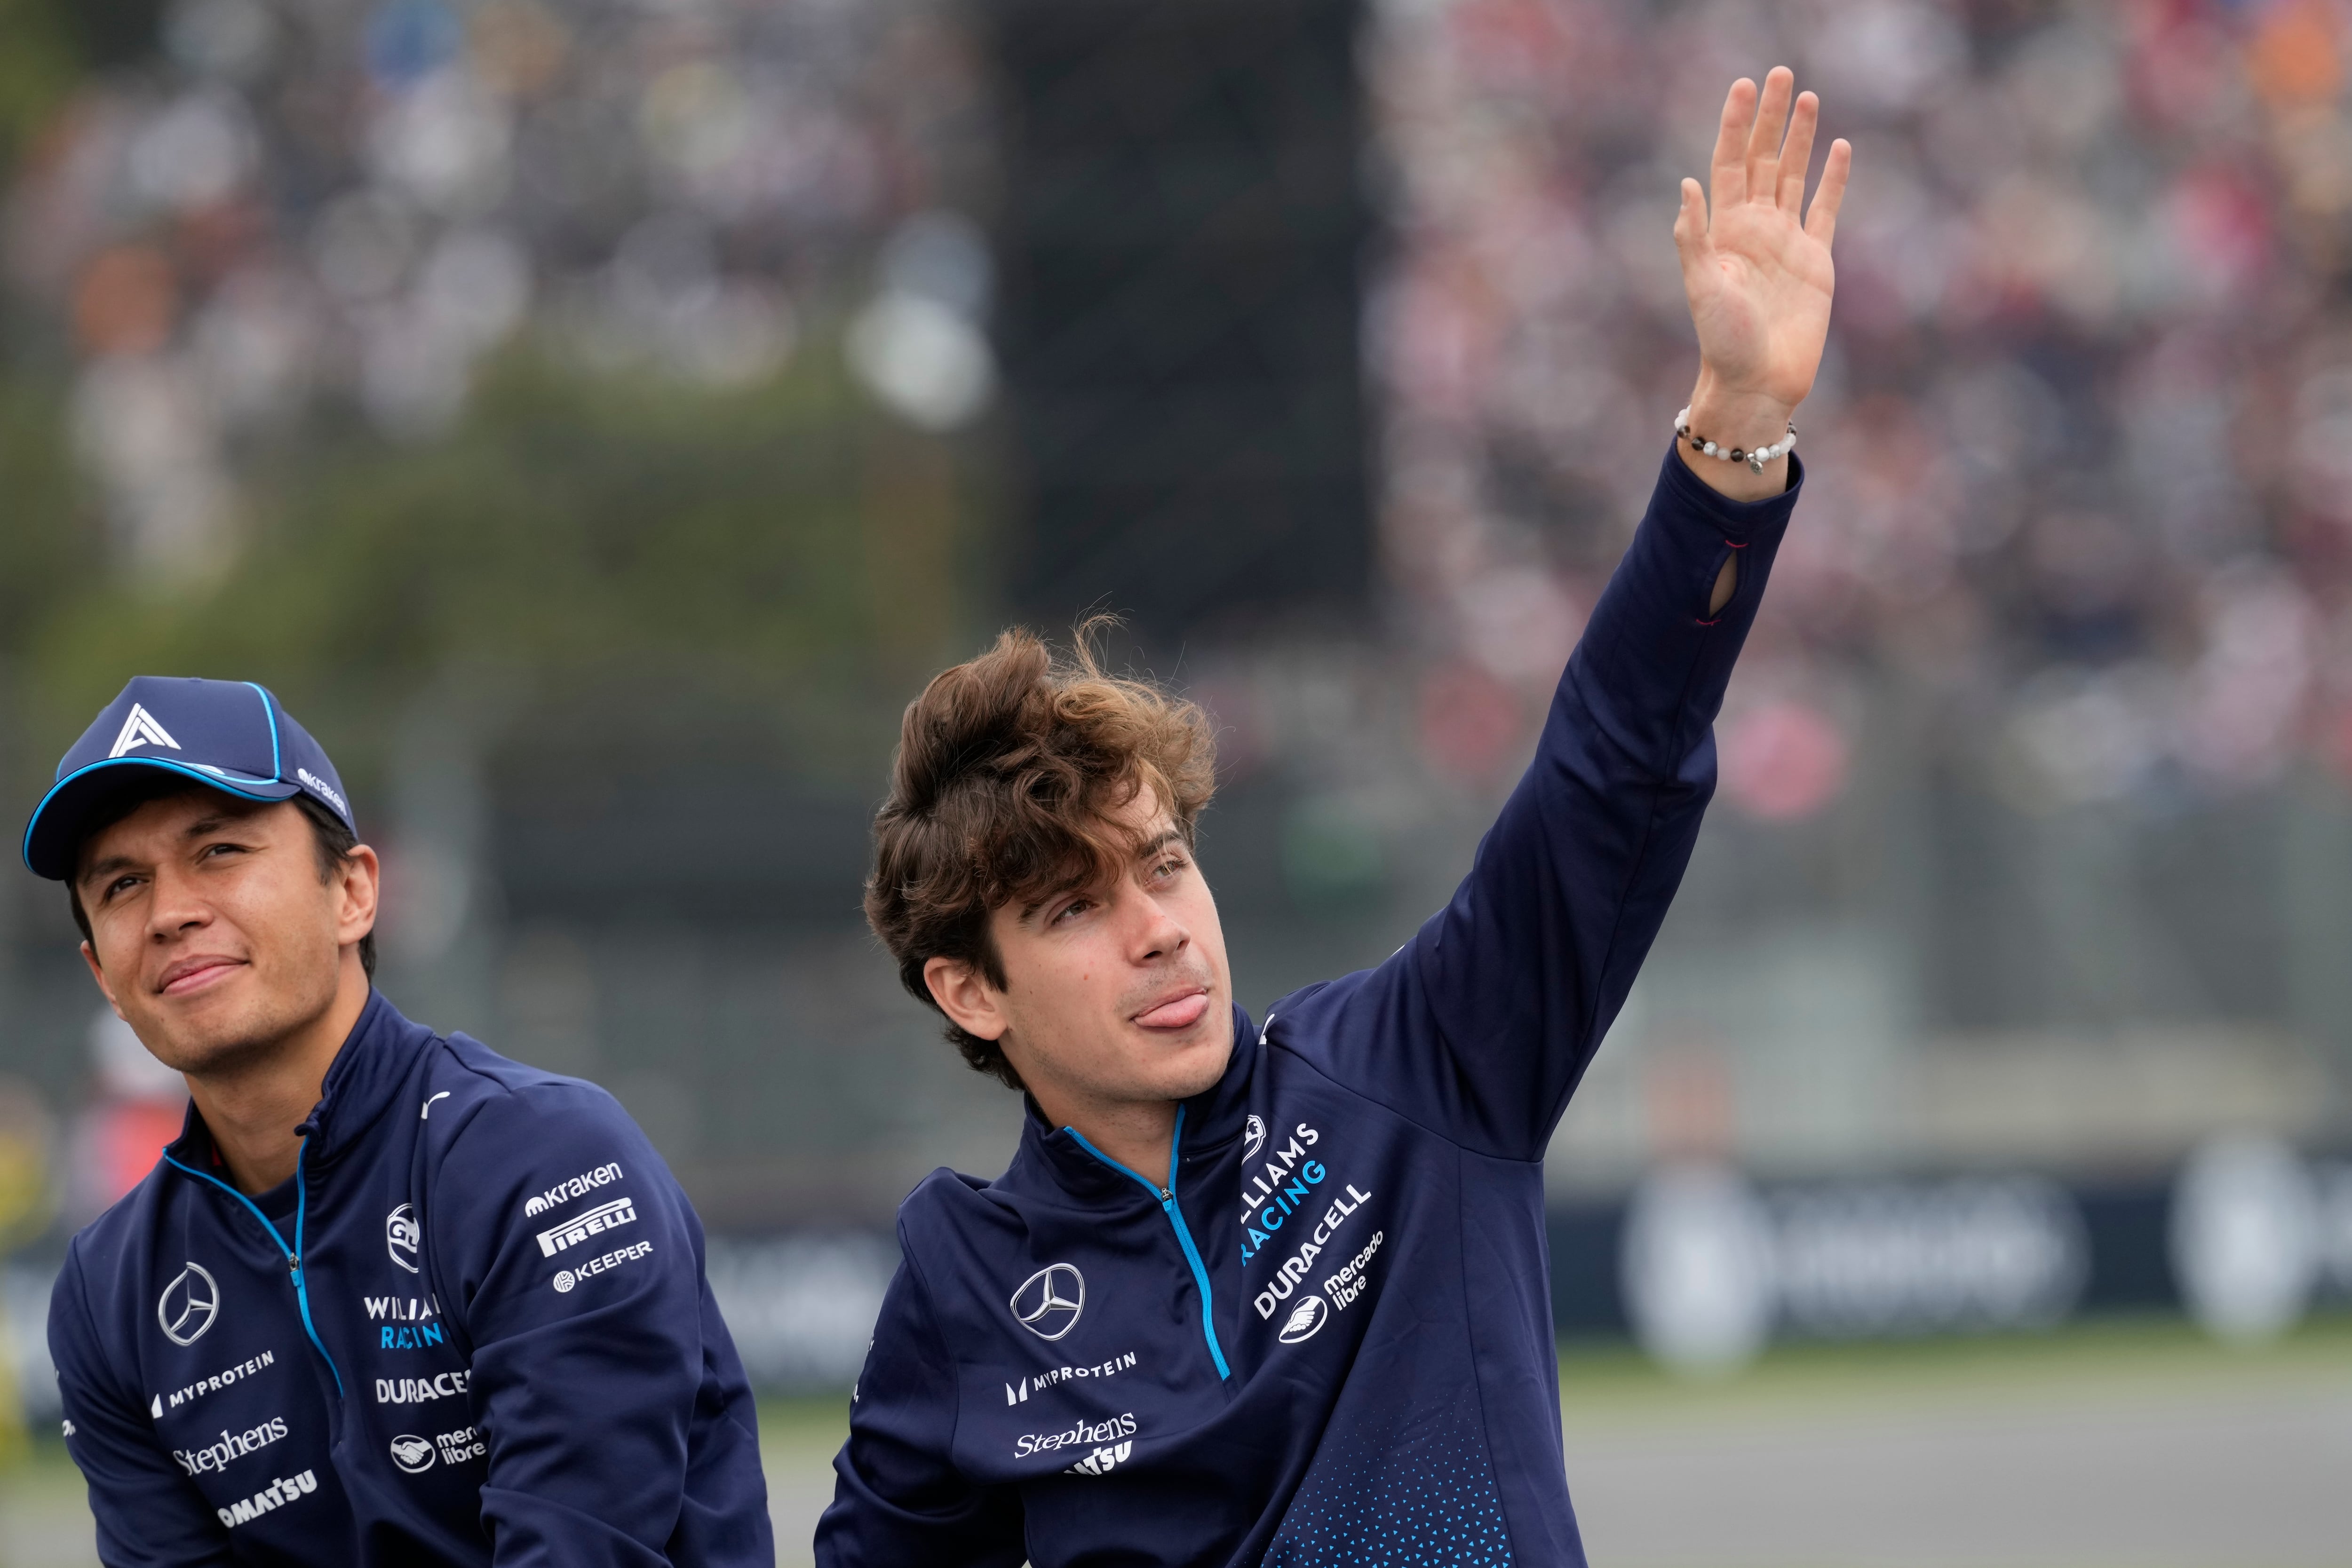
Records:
x=1166, y=1196
x=293, y=1255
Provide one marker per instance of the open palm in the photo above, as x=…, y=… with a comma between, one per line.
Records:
x=1757, y=270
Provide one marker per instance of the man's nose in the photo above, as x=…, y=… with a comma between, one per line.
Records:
x=175, y=906
x=1159, y=934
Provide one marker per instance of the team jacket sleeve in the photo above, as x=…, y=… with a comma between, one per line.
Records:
x=589, y=1346
x=148, y=1515
x=897, y=1498
x=1482, y=1024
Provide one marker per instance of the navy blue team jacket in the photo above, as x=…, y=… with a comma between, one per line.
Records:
x=473, y=1329
x=1323, y=1337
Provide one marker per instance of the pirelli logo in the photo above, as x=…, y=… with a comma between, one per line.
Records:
x=594, y=1222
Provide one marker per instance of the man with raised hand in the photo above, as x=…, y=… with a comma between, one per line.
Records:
x=1278, y=1295
x=389, y=1298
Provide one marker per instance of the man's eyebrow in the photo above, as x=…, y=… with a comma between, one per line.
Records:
x=1165, y=836
x=98, y=871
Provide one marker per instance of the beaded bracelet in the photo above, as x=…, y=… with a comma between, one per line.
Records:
x=1754, y=460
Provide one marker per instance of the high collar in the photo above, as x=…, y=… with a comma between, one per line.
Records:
x=1056, y=1157
x=367, y=1072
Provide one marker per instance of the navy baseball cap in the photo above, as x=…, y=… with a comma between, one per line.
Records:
x=230, y=735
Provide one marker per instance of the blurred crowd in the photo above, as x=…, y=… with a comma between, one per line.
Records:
x=2081, y=455
x=301, y=209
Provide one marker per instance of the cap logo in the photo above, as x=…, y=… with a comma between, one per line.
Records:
x=141, y=730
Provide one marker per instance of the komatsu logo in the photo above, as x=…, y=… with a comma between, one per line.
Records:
x=283, y=1490
x=1100, y=1461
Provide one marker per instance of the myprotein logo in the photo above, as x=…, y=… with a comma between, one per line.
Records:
x=580, y=1226
x=564, y=1192
x=141, y=730
x=283, y=1490
x=215, y=1383
x=419, y=1390
x=1048, y=1303
x=403, y=1235
x=413, y=1454
x=1053, y=1375
x=1077, y=1436
x=232, y=1445
x=189, y=1304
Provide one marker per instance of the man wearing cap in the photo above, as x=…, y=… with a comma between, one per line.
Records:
x=389, y=1298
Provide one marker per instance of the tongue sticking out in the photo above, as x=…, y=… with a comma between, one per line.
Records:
x=1182, y=1013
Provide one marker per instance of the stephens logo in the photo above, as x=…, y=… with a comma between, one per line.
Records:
x=188, y=1305
x=1307, y=1319
x=403, y=1236
x=413, y=1455
x=595, y=1222
x=1084, y=1433
x=563, y=1192
x=1048, y=1303
x=232, y=1445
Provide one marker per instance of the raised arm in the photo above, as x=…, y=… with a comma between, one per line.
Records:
x=1482, y=1024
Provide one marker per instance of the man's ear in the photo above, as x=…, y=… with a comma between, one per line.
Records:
x=89, y=956
x=963, y=993
x=361, y=878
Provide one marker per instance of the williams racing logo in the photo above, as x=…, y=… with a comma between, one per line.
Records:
x=593, y=1222
x=403, y=1235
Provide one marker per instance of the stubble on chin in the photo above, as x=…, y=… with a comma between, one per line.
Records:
x=227, y=1041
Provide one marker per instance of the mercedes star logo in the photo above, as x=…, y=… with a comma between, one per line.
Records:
x=188, y=1305
x=1049, y=1300
x=402, y=1234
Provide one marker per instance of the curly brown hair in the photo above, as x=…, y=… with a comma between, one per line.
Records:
x=1010, y=772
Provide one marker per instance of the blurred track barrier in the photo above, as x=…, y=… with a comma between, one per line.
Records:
x=802, y=1308
x=1704, y=1267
